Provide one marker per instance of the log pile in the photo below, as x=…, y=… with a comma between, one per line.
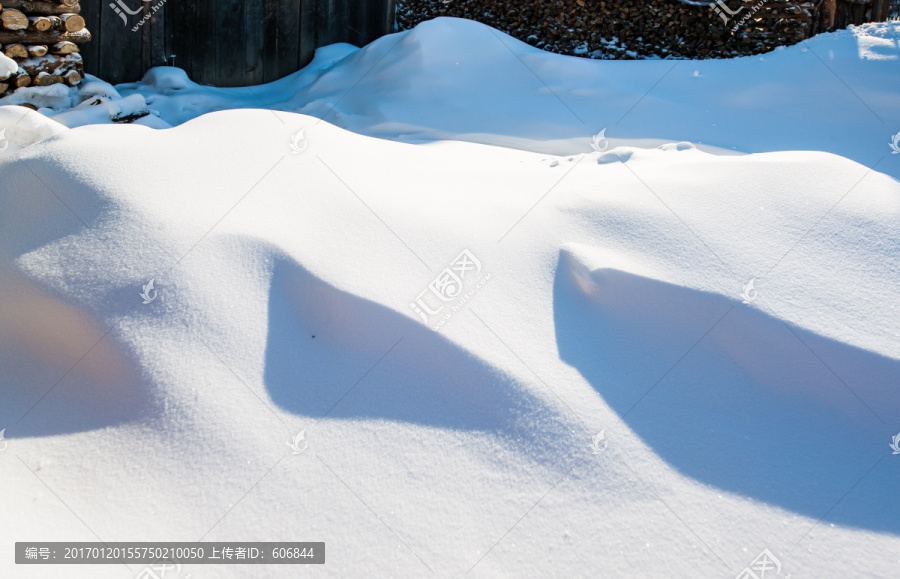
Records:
x=42, y=36
x=625, y=29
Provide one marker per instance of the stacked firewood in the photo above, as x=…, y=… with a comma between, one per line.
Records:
x=627, y=29
x=42, y=36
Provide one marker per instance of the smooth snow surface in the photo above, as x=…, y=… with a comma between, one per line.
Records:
x=608, y=291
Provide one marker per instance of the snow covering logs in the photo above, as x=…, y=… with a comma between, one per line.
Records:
x=42, y=37
x=626, y=29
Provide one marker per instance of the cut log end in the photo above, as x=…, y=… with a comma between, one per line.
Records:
x=12, y=19
x=15, y=51
x=72, y=22
x=39, y=23
x=37, y=50
x=22, y=79
x=64, y=47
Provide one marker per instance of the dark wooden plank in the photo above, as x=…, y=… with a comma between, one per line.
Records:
x=230, y=41
x=308, y=37
x=388, y=11
x=158, y=54
x=183, y=20
x=168, y=40
x=282, y=38
x=337, y=28
x=254, y=54
x=152, y=37
x=342, y=32
x=119, y=48
x=90, y=52
x=357, y=23
x=146, y=32
x=206, y=42
x=327, y=14
x=271, y=38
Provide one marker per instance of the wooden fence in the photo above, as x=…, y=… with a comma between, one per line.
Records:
x=859, y=11
x=223, y=42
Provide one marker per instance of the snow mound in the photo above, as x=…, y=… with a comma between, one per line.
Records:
x=282, y=284
x=21, y=127
x=8, y=66
x=462, y=80
x=167, y=78
x=653, y=358
x=750, y=379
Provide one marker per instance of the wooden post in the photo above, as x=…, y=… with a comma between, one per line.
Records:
x=880, y=9
x=827, y=13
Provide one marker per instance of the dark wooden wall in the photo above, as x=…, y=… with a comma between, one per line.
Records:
x=226, y=42
x=849, y=12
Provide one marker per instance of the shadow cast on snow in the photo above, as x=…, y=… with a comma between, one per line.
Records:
x=329, y=352
x=749, y=408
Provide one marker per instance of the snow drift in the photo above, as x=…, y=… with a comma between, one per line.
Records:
x=618, y=302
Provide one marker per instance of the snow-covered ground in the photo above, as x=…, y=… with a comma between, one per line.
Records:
x=665, y=348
